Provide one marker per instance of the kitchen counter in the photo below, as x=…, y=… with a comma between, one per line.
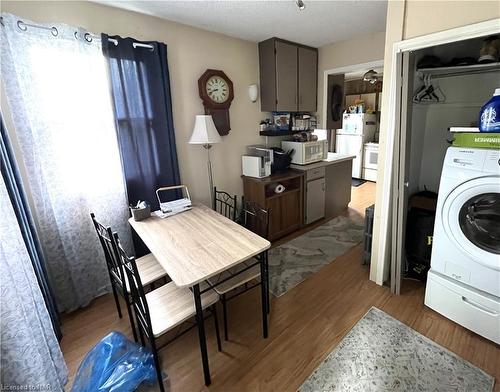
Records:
x=333, y=157
x=276, y=177
x=327, y=186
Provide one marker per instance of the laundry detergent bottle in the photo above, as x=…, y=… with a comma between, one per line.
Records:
x=489, y=116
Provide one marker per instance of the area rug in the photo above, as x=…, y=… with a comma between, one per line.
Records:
x=382, y=354
x=355, y=182
x=294, y=261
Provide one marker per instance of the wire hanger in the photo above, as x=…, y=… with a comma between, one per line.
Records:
x=429, y=92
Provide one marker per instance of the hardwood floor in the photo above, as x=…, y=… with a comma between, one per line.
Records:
x=305, y=325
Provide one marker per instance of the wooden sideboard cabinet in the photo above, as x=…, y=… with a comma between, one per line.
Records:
x=286, y=209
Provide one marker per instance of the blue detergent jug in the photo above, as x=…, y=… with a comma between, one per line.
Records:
x=489, y=116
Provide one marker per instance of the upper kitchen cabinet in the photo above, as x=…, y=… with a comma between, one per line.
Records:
x=308, y=78
x=288, y=76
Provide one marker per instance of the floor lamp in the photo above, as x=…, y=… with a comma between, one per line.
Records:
x=205, y=133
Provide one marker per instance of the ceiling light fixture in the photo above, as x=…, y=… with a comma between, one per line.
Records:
x=372, y=76
x=300, y=4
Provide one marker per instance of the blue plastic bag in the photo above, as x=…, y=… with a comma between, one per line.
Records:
x=115, y=364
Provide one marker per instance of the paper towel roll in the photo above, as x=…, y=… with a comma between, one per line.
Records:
x=279, y=188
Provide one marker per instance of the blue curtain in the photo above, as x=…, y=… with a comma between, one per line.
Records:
x=17, y=197
x=140, y=85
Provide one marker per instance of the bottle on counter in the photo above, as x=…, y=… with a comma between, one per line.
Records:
x=489, y=116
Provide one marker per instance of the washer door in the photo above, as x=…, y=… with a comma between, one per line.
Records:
x=471, y=217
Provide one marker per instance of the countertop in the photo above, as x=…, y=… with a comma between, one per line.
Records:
x=277, y=177
x=333, y=157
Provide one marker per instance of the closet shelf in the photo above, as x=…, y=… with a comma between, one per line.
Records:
x=452, y=104
x=443, y=72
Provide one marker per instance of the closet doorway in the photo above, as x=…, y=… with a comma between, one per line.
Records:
x=418, y=128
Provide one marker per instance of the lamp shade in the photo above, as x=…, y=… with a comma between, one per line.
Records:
x=204, y=131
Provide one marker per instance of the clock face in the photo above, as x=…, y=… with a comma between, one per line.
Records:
x=217, y=89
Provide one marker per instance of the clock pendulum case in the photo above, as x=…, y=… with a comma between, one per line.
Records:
x=216, y=92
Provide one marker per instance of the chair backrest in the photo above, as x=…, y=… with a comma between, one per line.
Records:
x=139, y=302
x=225, y=204
x=255, y=218
x=108, y=246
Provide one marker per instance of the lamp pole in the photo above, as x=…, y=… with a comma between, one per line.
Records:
x=210, y=175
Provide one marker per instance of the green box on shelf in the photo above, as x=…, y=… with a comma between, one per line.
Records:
x=477, y=140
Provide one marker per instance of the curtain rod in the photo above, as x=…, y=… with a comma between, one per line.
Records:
x=23, y=26
x=115, y=42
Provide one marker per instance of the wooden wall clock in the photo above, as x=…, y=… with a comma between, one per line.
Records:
x=216, y=92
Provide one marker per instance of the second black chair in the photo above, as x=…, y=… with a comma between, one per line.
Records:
x=256, y=219
x=225, y=204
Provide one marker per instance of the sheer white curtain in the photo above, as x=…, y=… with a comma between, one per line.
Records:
x=58, y=93
x=30, y=355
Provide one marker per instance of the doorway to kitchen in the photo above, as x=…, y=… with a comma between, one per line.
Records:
x=351, y=109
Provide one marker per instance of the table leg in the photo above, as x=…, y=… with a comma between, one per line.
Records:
x=267, y=284
x=201, y=333
x=263, y=286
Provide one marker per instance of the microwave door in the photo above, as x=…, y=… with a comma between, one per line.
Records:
x=313, y=152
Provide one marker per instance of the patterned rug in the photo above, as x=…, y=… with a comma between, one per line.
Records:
x=295, y=261
x=382, y=354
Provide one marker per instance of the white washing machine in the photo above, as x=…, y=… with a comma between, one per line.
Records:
x=464, y=280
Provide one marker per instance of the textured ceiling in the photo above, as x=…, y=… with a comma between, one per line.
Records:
x=320, y=23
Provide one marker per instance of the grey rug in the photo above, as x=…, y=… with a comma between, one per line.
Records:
x=293, y=262
x=382, y=354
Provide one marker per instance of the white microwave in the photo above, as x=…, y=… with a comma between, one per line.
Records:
x=307, y=152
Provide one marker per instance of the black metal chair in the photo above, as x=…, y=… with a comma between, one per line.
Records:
x=149, y=269
x=162, y=309
x=225, y=204
x=116, y=273
x=256, y=219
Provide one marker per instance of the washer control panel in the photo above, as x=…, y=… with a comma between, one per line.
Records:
x=492, y=162
x=480, y=159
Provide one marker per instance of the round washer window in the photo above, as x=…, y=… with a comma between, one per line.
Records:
x=479, y=219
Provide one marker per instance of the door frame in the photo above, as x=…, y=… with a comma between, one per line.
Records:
x=342, y=70
x=490, y=27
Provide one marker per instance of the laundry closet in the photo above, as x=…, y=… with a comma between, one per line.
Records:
x=461, y=90
x=446, y=233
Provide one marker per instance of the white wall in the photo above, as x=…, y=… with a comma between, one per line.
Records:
x=190, y=52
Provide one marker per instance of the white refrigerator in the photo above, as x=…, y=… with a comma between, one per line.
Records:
x=357, y=129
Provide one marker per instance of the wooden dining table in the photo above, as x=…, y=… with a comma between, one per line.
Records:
x=197, y=244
